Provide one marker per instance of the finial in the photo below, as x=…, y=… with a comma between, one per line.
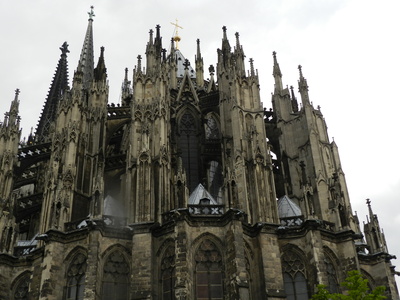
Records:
x=186, y=64
x=368, y=202
x=251, y=66
x=176, y=37
x=301, y=73
x=237, y=40
x=139, y=63
x=17, y=91
x=64, y=49
x=274, y=54
x=224, y=32
x=164, y=54
x=91, y=13
x=126, y=74
x=211, y=69
x=102, y=51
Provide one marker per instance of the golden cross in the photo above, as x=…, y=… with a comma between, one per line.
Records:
x=177, y=38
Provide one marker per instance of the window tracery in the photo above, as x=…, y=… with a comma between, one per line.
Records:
x=189, y=146
x=76, y=278
x=21, y=290
x=211, y=128
x=209, y=272
x=333, y=285
x=215, y=180
x=294, y=276
x=167, y=273
x=115, y=283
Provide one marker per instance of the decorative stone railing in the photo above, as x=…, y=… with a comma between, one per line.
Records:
x=286, y=223
x=292, y=221
x=206, y=210
x=106, y=220
x=25, y=247
x=118, y=112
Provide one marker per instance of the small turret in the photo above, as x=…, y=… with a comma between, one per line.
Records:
x=239, y=57
x=12, y=118
x=126, y=90
x=173, y=65
x=199, y=66
x=373, y=234
x=303, y=88
x=10, y=135
x=295, y=104
x=153, y=52
x=226, y=47
x=277, y=74
x=100, y=73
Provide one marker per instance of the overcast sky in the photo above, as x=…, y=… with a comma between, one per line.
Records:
x=349, y=50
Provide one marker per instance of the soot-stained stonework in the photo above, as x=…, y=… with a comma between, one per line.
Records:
x=186, y=189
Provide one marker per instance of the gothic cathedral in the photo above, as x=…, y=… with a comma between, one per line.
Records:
x=186, y=189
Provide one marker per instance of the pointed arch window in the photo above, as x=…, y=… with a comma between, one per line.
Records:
x=294, y=277
x=333, y=285
x=168, y=274
x=76, y=278
x=189, y=147
x=115, y=283
x=209, y=272
x=215, y=180
x=21, y=289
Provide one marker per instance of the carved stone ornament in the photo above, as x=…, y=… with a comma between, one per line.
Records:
x=68, y=179
x=144, y=156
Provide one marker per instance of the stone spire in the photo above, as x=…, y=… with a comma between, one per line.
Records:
x=86, y=60
x=303, y=88
x=226, y=47
x=153, y=52
x=14, y=109
x=58, y=87
x=199, y=66
x=100, y=73
x=277, y=74
x=239, y=57
x=373, y=234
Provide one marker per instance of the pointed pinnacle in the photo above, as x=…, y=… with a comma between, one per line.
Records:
x=301, y=72
x=237, y=40
x=224, y=30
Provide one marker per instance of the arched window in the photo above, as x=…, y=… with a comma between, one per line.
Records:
x=215, y=180
x=189, y=147
x=209, y=272
x=115, y=283
x=167, y=274
x=248, y=276
x=76, y=278
x=21, y=289
x=294, y=276
x=333, y=285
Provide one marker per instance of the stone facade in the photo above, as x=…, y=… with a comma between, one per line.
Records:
x=187, y=189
